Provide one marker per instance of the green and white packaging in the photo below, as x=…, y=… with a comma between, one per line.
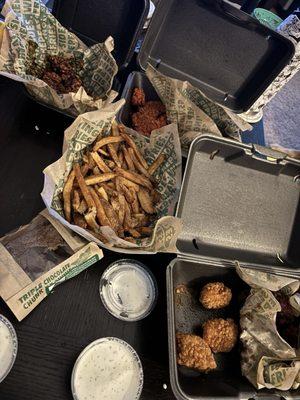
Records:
x=32, y=33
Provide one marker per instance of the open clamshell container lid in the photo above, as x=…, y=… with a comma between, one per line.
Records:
x=94, y=20
x=241, y=203
x=218, y=48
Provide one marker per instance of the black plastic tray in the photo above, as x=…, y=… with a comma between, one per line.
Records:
x=241, y=202
x=139, y=80
x=94, y=20
x=186, y=315
x=218, y=48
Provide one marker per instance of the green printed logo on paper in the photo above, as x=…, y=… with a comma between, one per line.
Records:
x=68, y=271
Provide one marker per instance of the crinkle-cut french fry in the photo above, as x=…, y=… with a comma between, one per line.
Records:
x=115, y=132
x=111, y=185
x=90, y=218
x=103, y=152
x=127, y=193
x=102, y=192
x=76, y=199
x=128, y=183
x=80, y=221
x=94, y=179
x=130, y=239
x=131, y=143
x=122, y=160
x=129, y=222
x=100, y=163
x=156, y=164
x=111, y=164
x=142, y=219
x=145, y=201
x=121, y=156
x=111, y=215
x=96, y=171
x=114, y=129
x=134, y=177
x=101, y=215
x=122, y=205
x=118, y=184
x=108, y=189
x=84, y=169
x=139, y=215
x=85, y=159
x=91, y=163
x=155, y=195
x=83, y=187
x=121, y=233
x=82, y=207
x=128, y=159
x=113, y=154
x=115, y=204
x=134, y=233
x=146, y=230
x=135, y=204
x=67, y=195
x=138, y=166
x=124, y=165
x=107, y=140
x=127, y=218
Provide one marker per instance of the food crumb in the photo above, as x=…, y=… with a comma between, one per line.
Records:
x=181, y=289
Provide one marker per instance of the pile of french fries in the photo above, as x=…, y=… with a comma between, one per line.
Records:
x=115, y=187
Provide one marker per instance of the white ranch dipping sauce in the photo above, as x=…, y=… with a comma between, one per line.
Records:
x=107, y=369
x=128, y=290
x=8, y=347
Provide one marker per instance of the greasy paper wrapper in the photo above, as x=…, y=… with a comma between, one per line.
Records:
x=194, y=113
x=79, y=136
x=28, y=22
x=36, y=258
x=268, y=361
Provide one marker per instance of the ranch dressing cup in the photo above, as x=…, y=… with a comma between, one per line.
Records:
x=107, y=369
x=8, y=347
x=128, y=290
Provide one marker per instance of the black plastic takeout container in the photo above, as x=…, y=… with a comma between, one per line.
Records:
x=93, y=21
x=139, y=80
x=218, y=48
x=237, y=203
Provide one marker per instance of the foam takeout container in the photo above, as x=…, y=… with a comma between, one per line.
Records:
x=240, y=203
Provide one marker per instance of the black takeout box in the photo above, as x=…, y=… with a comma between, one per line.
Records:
x=93, y=21
x=139, y=80
x=237, y=203
x=218, y=48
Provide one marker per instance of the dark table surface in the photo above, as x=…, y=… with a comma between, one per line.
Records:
x=53, y=335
